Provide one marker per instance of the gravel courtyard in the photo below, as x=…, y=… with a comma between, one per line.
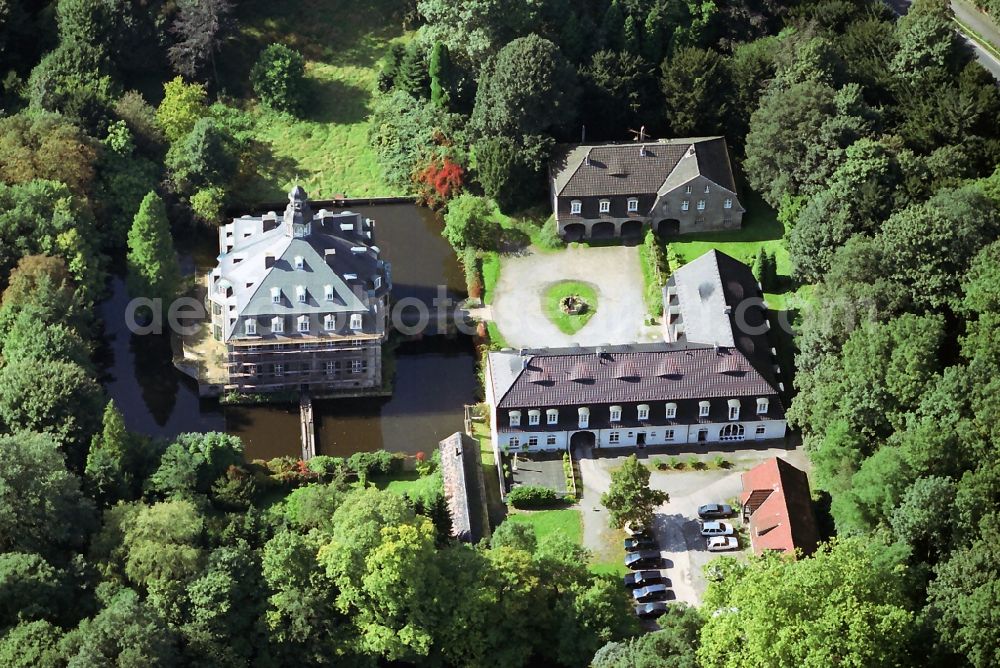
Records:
x=615, y=273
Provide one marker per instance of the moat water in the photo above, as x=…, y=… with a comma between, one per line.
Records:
x=435, y=375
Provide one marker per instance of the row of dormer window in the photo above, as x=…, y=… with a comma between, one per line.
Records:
x=301, y=293
x=642, y=412
x=303, y=324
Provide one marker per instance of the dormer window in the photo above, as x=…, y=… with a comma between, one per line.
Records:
x=299, y=262
x=552, y=416
x=727, y=203
x=701, y=205
x=278, y=325
x=762, y=405
x=304, y=324
x=643, y=411
x=515, y=418
x=300, y=294
x=671, y=411
x=616, y=413
x=687, y=190
x=329, y=322
x=685, y=205
x=605, y=206
x=275, y=295
x=355, y=321
x=633, y=204
x=250, y=325
x=575, y=206
x=703, y=408
x=328, y=293
x=534, y=417
x=378, y=282
x=734, y=409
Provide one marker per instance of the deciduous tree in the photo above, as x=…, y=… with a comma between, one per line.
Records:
x=629, y=497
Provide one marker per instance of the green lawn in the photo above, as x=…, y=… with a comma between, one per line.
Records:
x=409, y=482
x=566, y=322
x=565, y=521
x=491, y=274
x=327, y=149
x=609, y=568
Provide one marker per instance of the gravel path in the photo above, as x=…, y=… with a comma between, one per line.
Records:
x=615, y=273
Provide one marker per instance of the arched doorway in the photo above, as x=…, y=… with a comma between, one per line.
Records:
x=632, y=228
x=582, y=442
x=574, y=231
x=668, y=227
x=602, y=230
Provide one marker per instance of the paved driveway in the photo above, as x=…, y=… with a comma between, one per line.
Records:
x=615, y=273
x=675, y=523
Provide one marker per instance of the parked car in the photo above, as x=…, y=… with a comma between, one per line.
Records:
x=717, y=529
x=640, y=543
x=643, y=559
x=723, y=543
x=715, y=511
x=643, y=578
x=651, y=610
x=653, y=592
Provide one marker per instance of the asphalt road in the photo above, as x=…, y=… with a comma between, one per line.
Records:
x=972, y=17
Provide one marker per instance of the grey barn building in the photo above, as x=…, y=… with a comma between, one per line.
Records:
x=300, y=301
x=674, y=186
x=713, y=380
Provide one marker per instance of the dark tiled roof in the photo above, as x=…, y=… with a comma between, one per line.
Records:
x=631, y=376
x=636, y=169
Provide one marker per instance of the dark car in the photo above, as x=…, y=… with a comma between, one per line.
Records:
x=643, y=578
x=653, y=592
x=651, y=610
x=637, y=543
x=643, y=559
x=714, y=511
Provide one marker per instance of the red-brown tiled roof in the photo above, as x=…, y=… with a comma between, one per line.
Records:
x=777, y=496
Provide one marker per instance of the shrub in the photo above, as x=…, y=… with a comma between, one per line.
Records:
x=438, y=182
x=532, y=496
x=675, y=463
x=473, y=274
x=278, y=78
x=660, y=464
x=695, y=463
x=327, y=467
x=720, y=462
x=368, y=464
x=674, y=260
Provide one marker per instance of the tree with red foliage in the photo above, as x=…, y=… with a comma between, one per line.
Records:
x=439, y=181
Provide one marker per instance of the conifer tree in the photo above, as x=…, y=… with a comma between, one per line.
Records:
x=106, y=473
x=440, y=74
x=153, y=271
x=613, y=27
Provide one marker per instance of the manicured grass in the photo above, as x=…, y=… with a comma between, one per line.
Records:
x=481, y=431
x=566, y=322
x=491, y=274
x=326, y=150
x=566, y=522
x=409, y=482
x=616, y=568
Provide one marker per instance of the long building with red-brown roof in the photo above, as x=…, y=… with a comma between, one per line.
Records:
x=777, y=508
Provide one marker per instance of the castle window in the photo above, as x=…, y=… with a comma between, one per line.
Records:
x=552, y=416
x=515, y=418
x=278, y=325
x=671, y=411
x=633, y=204
x=355, y=321
x=534, y=417
x=616, y=413
x=605, y=206
x=727, y=203
x=703, y=408
x=250, y=326
x=304, y=324
x=575, y=206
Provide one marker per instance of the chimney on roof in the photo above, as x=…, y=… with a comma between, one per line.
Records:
x=583, y=134
x=269, y=260
x=642, y=151
x=330, y=254
x=587, y=159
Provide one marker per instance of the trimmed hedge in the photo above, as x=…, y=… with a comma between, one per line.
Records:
x=532, y=496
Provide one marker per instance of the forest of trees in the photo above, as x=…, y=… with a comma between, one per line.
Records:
x=877, y=141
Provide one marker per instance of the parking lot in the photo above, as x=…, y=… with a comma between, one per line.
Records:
x=675, y=524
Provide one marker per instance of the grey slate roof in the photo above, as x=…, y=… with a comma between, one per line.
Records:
x=721, y=304
x=621, y=169
x=247, y=243
x=650, y=372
